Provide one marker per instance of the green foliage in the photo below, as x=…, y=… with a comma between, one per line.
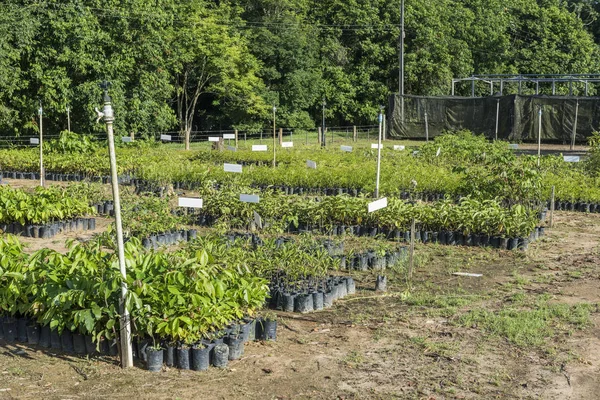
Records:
x=41, y=207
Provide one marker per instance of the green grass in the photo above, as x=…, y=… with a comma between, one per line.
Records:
x=531, y=324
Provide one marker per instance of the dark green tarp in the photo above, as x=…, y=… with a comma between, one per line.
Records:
x=518, y=116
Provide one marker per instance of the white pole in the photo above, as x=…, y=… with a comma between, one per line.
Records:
x=426, y=128
x=378, y=156
x=274, y=146
x=575, y=126
x=69, y=119
x=125, y=328
x=497, y=116
x=40, y=111
x=539, y=135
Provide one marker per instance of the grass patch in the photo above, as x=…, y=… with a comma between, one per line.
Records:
x=530, y=324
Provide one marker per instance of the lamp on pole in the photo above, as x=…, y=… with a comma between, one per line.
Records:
x=274, y=110
x=107, y=115
x=323, y=138
x=40, y=112
x=379, y=152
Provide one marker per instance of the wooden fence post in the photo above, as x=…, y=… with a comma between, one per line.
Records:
x=354, y=133
x=236, y=138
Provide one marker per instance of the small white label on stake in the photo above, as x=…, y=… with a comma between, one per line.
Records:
x=376, y=146
x=249, y=198
x=415, y=152
x=34, y=141
x=213, y=139
x=377, y=204
x=311, y=164
x=346, y=148
x=437, y=154
x=513, y=146
x=259, y=147
x=571, y=158
x=126, y=139
x=231, y=148
x=228, y=136
x=166, y=138
x=232, y=168
x=190, y=202
x=257, y=220
x=399, y=147
x=287, y=144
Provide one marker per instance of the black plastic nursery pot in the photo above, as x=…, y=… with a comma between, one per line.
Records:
x=269, y=330
x=183, y=357
x=317, y=300
x=170, y=355
x=154, y=359
x=303, y=303
x=10, y=329
x=55, y=339
x=236, y=347
x=22, y=329
x=66, y=341
x=45, y=336
x=79, y=344
x=220, y=356
x=288, y=302
x=201, y=357
x=33, y=333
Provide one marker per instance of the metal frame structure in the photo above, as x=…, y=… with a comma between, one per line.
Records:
x=553, y=79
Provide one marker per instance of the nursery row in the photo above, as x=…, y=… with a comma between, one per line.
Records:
x=453, y=164
x=40, y=207
x=49, y=230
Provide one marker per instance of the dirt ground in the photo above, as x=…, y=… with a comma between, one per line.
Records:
x=409, y=343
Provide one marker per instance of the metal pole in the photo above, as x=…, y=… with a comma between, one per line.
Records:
x=539, y=135
x=497, y=116
x=69, y=119
x=426, y=128
x=274, y=146
x=378, y=156
x=42, y=177
x=553, y=88
x=552, y=208
x=401, y=81
x=411, y=251
x=501, y=87
x=453, y=82
x=125, y=328
x=473, y=87
x=575, y=125
x=491, y=88
x=537, y=88
x=586, y=88
x=323, y=138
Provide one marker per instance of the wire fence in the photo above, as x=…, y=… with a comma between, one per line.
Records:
x=334, y=134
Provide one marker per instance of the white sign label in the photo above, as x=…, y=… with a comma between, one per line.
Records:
x=232, y=168
x=437, y=154
x=513, y=146
x=571, y=158
x=259, y=147
x=376, y=146
x=399, y=147
x=190, y=202
x=165, y=138
x=126, y=139
x=249, y=198
x=346, y=148
x=415, y=152
x=311, y=164
x=231, y=148
x=228, y=136
x=377, y=204
x=34, y=141
x=213, y=139
x=287, y=144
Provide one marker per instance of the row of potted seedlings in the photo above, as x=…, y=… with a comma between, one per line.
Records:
x=224, y=346
x=169, y=238
x=579, y=206
x=25, y=330
x=303, y=296
x=49, y=230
